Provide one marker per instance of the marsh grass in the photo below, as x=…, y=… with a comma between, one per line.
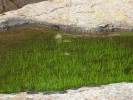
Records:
x=33, y=60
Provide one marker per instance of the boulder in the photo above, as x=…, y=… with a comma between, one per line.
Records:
x=6, y=5
x=87, y=16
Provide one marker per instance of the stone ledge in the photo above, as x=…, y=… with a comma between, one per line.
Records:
x=117, y=91
x=94, y=17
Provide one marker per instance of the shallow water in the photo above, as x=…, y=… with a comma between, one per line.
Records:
x=38, y=59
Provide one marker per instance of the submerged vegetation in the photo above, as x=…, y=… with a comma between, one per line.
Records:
x=45, y=60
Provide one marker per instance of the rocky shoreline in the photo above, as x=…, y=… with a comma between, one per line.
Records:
x=92, y=17
x=117, y=91
x=102, y=30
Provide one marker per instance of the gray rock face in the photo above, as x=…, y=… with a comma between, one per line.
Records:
x=119, y=91
x=88, y=16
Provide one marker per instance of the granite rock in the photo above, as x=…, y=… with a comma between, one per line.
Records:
x=88, y=16
x=118, y=91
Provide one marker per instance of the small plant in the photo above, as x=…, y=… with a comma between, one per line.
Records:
x=58, y=38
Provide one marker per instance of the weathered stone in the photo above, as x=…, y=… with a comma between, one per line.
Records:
x=88, y=16
x=6, y=5
x=118, y=91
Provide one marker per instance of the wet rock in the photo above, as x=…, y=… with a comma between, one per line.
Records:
x=118, y=91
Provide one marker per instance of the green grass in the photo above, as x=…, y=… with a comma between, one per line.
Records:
x=33, y=60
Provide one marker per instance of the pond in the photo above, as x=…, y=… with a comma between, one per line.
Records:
x=37, y=59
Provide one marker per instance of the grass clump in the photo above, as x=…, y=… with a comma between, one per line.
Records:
x=43, y=60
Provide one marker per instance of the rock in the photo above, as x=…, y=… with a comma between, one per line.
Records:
x=6, y=5
x=22, y=3
x=87, y=16
x=118, y=91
